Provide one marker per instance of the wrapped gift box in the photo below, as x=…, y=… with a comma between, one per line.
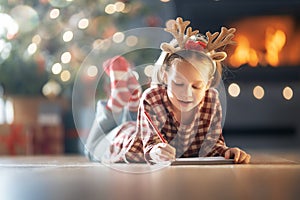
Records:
x=36, y=139
x=33, y=125
x=47, y=139
x=14, y=140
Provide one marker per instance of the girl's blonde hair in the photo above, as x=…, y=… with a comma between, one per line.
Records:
x=166, y=60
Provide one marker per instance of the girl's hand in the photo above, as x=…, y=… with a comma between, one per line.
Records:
x=238, y=155
x=162, y=152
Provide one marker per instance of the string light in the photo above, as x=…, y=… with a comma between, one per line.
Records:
x=127, y=9
x=149, y=70
x=131, y=41
x=234, y=90
x=51, y=89
x=8, y=26
x=287, y=93
x=54, y=13
x=5, y=49
x=258, y=92
x=92, y=71
x=68, y=36
x=65, y=75
x=36, y=39
x=9, y=111
x=83, y=23
x=32, y=48
x=66, y=57
x=110, y=9
x=101, y=44
x=118, y=37
x=50, y=38
x=119, y=6
x=56, y=68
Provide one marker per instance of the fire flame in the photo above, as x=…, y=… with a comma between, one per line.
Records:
x=245, y=54
x=275, y=40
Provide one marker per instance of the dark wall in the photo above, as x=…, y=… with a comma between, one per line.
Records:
x=211, y=14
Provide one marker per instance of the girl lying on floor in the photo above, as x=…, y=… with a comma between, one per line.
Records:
x=182, y=104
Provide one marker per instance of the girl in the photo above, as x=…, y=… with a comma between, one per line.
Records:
x=181, y=104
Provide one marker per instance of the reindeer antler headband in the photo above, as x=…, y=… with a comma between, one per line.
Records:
x=183, y=35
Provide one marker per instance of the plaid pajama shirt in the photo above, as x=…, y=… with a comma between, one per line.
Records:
x=202, y=137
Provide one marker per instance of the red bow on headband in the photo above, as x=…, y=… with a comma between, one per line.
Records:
x=195, y=45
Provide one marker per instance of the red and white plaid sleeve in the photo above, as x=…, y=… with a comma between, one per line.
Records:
x=152, y=103
x=145, y=137
x=213, y=144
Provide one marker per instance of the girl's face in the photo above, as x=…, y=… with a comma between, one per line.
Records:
x=186, y=85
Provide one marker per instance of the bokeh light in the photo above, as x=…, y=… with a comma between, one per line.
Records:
x=83, y=23
x=9, y=111
x=101, y=44
x=68, y=36
x=110, y=9
x=149, y=70
x=54, y=13
x=32, y=48
x=118, y=37
x=56, y=68
x=92, y=71
x=5, y=49
x=66, y=57
x=119, y=6
x=8, y=26
x=51, y=89
x=131, y=41
x=65, y=75
x=234, y=90
x=97, y=43
x=26, y=17
x=258, y=92
x=287, y=93
x=36, y=39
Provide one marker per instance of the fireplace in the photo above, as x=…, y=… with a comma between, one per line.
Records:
x=262, y=74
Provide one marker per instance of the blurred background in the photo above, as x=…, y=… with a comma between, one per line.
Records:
x=44, y=42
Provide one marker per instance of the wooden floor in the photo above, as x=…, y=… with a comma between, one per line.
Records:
x=273, y=176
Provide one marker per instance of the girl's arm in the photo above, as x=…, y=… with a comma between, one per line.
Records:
x=214, y=143
x=148, y=134
x=138, y=144
x=220, y=148
x=156, y=149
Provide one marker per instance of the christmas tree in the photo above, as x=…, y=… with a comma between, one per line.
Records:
x=44, y=42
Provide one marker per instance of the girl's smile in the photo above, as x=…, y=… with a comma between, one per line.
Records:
x=186, y=85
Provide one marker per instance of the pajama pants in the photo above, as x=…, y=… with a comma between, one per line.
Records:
x=103, y=131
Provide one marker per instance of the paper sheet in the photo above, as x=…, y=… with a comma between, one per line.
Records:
x=202, y=161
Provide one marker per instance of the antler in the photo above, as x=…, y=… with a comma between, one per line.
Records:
x=177, y=28
x=217, y=40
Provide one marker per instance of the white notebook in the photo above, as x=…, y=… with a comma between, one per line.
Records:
x=202, y=161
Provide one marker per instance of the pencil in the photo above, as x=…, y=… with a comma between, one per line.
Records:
x=155, y=128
